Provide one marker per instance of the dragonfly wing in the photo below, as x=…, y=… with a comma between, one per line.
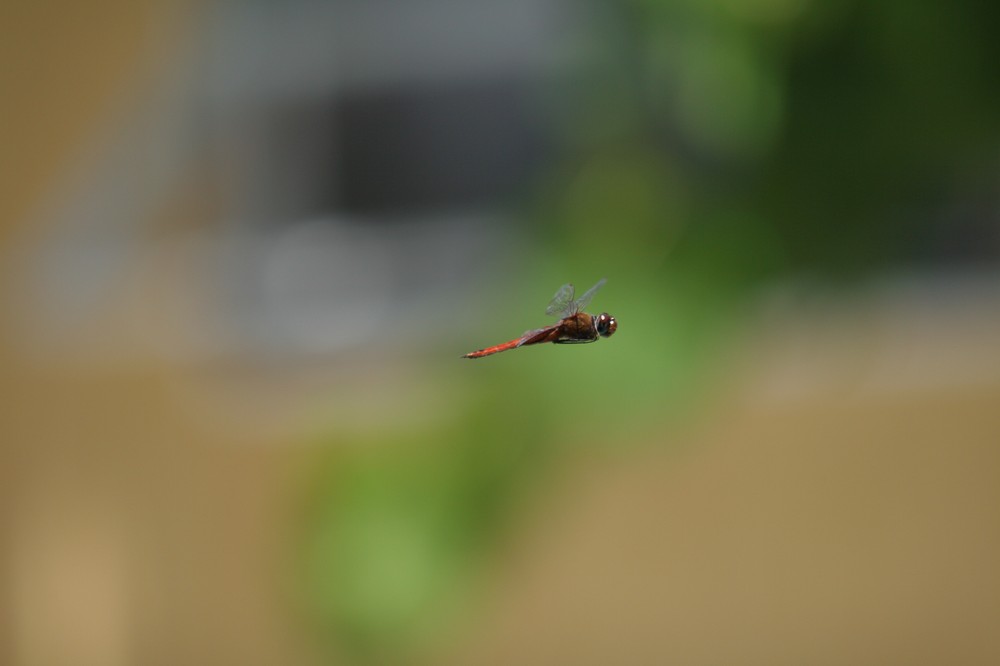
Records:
x=582, y=302
x=562, y=302
x=547, y=334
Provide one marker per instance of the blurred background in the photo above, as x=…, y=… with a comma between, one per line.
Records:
x=244, y=244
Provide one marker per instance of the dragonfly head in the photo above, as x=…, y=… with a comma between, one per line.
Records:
x=606, y=325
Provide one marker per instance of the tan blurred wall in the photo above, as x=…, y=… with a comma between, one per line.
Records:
x=65, y=67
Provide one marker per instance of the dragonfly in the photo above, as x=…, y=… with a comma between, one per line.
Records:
x=574, y=327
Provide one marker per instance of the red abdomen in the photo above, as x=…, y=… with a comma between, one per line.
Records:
x=495, y=349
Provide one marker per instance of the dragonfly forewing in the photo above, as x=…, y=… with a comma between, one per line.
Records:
x=562, y=302
x=582, y=302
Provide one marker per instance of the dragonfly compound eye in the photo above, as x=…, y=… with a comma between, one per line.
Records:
x=606, y=325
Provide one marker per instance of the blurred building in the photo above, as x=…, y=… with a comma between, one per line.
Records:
x=303, y=175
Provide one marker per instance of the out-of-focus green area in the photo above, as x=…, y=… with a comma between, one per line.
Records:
x=713, y=147
x=748, y=176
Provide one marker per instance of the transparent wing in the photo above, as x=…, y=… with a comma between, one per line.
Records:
x=562, y=302
x=533, y=336
x=581, y=302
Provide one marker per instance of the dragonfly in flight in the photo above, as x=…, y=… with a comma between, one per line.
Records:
x=574, y=327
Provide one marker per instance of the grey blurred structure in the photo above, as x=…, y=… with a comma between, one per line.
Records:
x=299, y=179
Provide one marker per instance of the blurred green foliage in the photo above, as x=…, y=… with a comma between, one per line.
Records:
x=714, y=145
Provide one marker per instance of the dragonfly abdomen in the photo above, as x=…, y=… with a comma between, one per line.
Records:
x=495, y=349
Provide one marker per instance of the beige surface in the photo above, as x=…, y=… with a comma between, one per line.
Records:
x=838, y=533
x=832, y=529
